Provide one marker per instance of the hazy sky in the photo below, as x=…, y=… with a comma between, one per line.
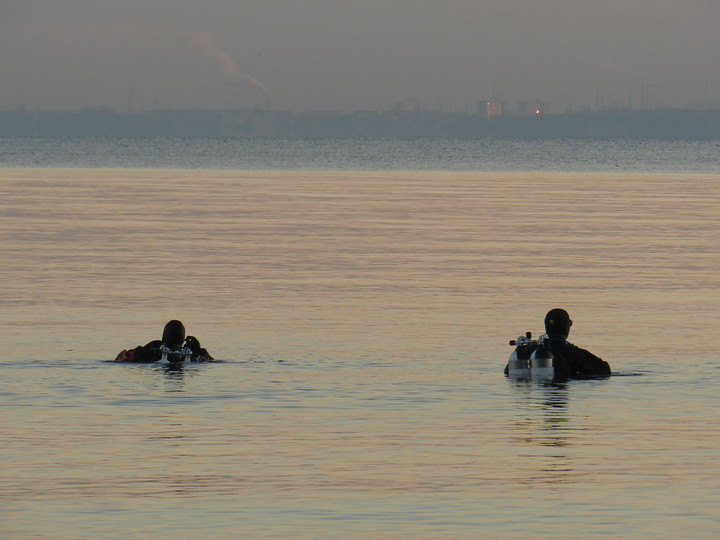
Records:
x=356, y=54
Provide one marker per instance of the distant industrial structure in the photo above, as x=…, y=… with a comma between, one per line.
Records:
x=408, y=105
x=491, y=107
x=494, y=107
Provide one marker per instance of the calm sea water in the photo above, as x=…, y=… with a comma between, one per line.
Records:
x=361, y=320
x=366, y=154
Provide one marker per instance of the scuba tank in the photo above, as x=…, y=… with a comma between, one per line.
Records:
x=174, y=356
x=541, y=362
x=518, y=365
x=531, y=358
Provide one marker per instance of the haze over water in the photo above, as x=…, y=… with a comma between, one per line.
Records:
x=361, y=320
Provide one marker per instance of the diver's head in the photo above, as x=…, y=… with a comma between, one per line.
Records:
x=173, y=334
x=557, y=323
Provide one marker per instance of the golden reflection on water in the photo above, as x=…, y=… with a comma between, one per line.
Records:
x=362, y=319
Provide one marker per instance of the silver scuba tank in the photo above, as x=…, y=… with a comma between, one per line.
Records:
x=541, y=363
x=530, y=359
x=519, y=360
x=174, y=356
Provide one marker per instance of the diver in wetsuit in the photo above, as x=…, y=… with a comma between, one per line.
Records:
x=173, y=338
x=570, y=362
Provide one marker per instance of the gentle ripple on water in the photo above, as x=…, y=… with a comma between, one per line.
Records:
x=366, y=154
x=361, y=320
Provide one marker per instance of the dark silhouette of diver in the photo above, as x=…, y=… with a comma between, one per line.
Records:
x=173, y=345
x=569, y=361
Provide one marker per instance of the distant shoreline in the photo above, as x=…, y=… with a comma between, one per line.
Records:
x=660, y=124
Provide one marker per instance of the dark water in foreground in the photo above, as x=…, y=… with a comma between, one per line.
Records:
x=361, y=320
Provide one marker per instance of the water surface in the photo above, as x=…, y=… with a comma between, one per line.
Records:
x=361, y=319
